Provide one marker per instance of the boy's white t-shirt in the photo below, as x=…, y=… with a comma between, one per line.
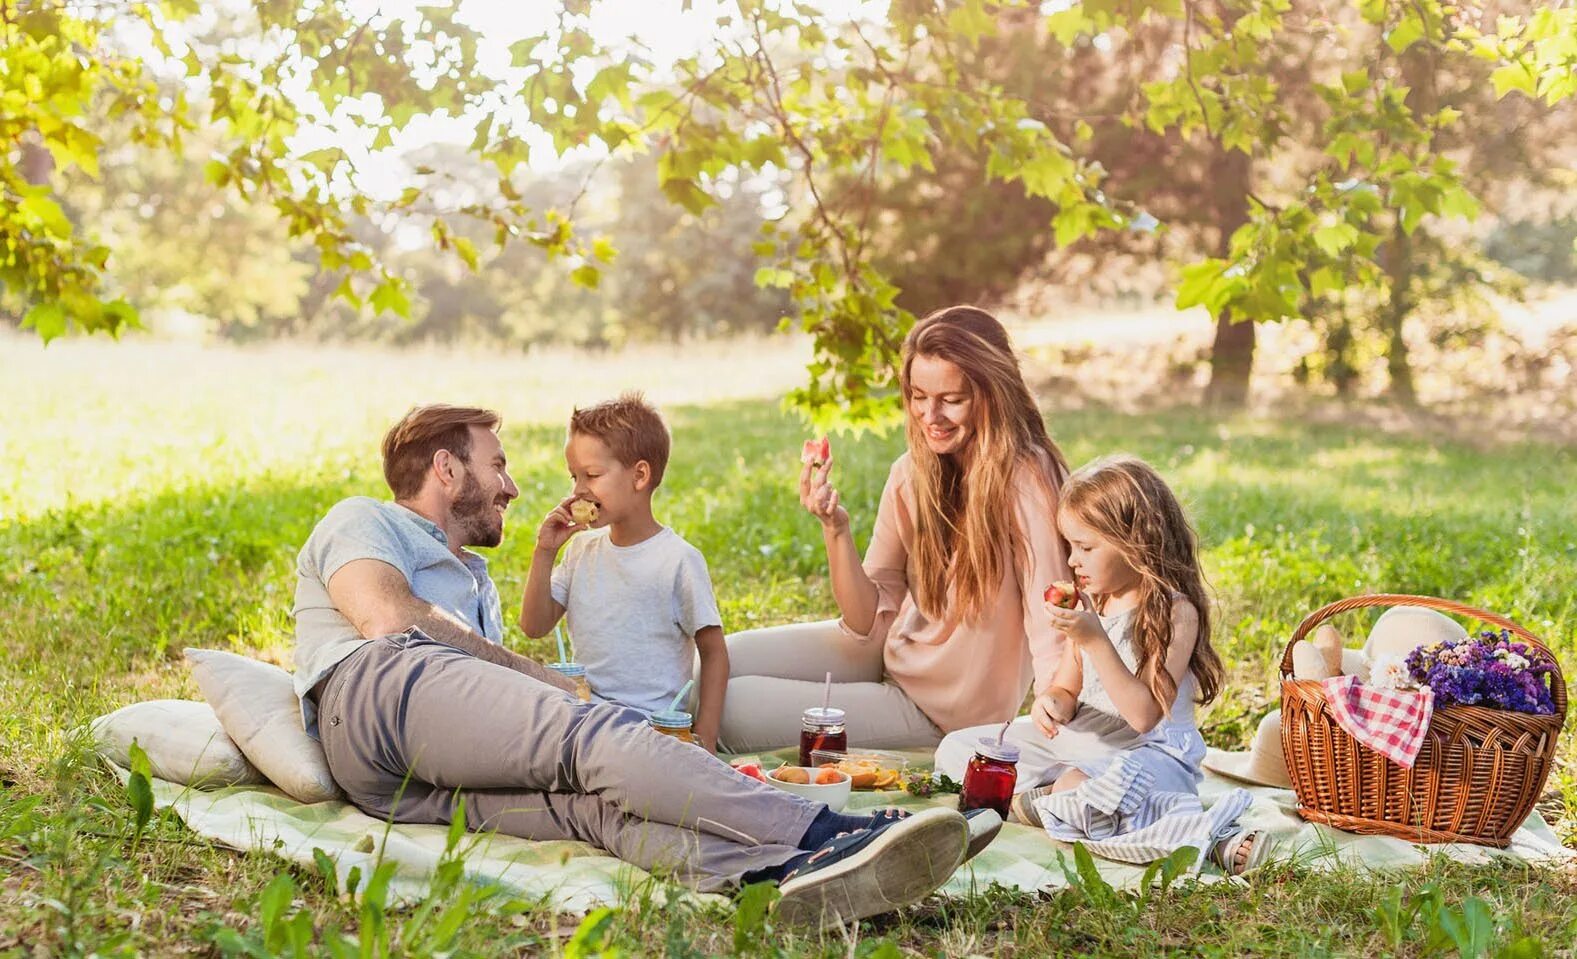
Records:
x=633, y=612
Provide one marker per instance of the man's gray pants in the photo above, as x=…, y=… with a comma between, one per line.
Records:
x=413, y=728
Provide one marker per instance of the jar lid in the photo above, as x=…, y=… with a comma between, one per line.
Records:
x=568, y=669
x=673, y=720
x=998, y=749
x=824, y=716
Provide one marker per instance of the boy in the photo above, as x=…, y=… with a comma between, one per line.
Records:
x=637, y=596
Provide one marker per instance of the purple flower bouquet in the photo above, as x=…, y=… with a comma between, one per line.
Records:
x=1490, y=669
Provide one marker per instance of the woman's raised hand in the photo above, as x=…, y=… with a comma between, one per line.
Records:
x=820, y=498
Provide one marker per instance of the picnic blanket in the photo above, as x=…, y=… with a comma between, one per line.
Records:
x=575, y=877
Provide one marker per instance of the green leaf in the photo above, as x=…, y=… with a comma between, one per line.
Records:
x=586, y=275
x=47, y=212
x=271, y=910
x=1333, y=239
x=1408, y=31
x=1514, y=76
x=750, y=915
x=771, y=276
x=139, y=788
x=688, y=195
x=326, y=870
x=591, y=935
x=456, y=828
x=1203, y=284
x=1324, y=280
x=1355, y=81
x=521, y=51
x=389, y=296
x=971, y=20
x=47, y=318
x=1066, y=25
x=466, y=249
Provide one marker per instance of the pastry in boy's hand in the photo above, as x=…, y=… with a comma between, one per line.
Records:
x=816, y=452
x=1062, y=593
x=583, y=512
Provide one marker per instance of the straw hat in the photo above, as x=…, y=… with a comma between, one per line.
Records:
x=1263, y=764
x=1402, y=629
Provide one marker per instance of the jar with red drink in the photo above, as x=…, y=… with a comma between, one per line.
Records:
x=822, y=728
x=990, y=776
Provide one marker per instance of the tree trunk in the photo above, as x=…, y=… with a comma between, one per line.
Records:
x=36, y=164
x=1401, y=265
x=1232, y=353
x=1393, y=316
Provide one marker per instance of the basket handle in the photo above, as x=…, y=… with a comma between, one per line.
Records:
x=1557, y=687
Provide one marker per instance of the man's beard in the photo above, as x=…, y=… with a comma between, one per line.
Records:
x=474, y=512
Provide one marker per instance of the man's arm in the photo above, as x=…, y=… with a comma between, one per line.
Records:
x=377, y=600
x=714, y=685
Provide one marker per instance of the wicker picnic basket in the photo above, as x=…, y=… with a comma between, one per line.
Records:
x=1475, y=780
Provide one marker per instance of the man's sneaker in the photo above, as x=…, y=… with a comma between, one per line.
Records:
x=984, y=824
x=872, y=871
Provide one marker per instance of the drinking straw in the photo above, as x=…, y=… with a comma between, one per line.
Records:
x=826, y=697
x=1003, y=734
x=558, y=634
x=684, y=691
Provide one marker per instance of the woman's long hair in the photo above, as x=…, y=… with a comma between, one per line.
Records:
x=1128, y=505
x=961, y=516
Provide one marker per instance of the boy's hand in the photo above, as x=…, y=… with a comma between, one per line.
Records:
x=1080, y=625
x=1047, y=711
x=819, y=497
x=557, y=527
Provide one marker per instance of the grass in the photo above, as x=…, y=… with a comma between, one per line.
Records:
x=157, y=496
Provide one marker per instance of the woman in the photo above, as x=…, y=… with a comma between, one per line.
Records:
x=942, y=626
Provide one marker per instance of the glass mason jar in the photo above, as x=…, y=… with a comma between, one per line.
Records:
x=576, y=672
x=677, y=724
x=990, y=776
x=822, y=728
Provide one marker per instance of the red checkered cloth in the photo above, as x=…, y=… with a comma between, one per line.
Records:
x=1392, y=722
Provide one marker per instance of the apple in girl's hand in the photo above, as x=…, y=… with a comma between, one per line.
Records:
x=816, y=452
x=1062, y=593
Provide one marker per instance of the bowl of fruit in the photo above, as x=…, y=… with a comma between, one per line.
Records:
x=827, y=785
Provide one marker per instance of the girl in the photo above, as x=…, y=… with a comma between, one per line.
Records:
x=1110, y=751
x=940, y=626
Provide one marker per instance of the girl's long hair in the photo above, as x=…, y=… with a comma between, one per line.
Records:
x=961, y=515
x=1127, y=504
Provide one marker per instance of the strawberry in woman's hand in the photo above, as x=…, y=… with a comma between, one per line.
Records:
x=816, y=452
x=1062, y=593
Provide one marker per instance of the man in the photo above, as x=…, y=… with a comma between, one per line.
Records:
x=421, y=710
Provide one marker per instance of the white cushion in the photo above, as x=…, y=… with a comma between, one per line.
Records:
x=256, y=702
x=183, y=739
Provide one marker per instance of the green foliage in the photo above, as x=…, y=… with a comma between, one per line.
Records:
x=836, y=109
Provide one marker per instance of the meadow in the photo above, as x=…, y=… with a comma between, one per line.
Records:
x=156, y=495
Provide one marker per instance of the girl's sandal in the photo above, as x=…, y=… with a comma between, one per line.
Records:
x=1242, y=852
x=1022, y=809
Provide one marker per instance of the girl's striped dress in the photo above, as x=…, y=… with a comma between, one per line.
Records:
x=1141, y=802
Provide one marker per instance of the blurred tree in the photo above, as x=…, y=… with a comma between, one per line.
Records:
x=784, y=89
